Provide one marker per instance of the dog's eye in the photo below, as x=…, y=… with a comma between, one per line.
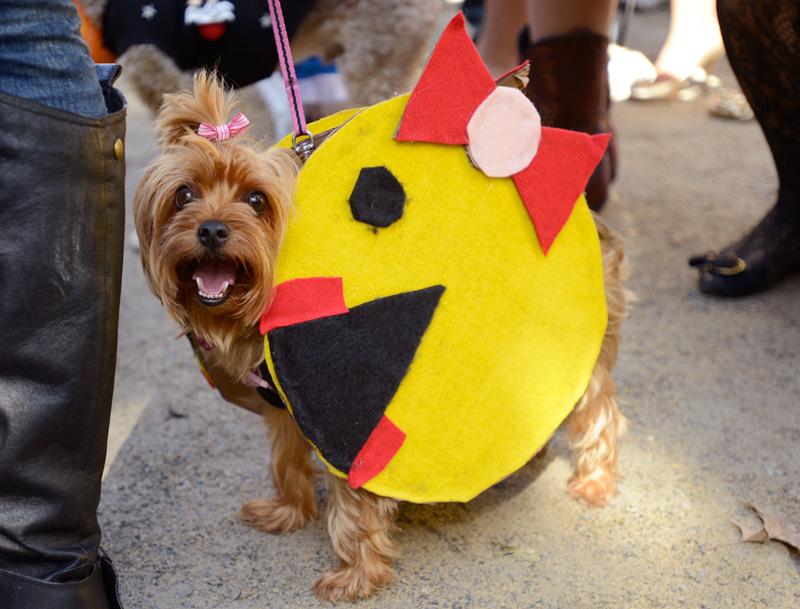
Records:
x=184, y=196
x=258, y=201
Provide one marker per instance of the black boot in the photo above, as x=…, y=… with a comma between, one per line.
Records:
x=761, y=43
x=62, y=215
x=569, y=86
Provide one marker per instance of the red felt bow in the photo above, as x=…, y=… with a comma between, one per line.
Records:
x=452, y=87
x=223, y=132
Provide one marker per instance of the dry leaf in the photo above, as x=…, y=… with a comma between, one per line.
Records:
x=518, y=79
x=774, y=528
x=779, y=529
x=756, y=535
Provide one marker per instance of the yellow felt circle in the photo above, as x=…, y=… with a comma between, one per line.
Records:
x=515, y=337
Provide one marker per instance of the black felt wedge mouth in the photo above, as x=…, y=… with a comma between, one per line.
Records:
x=340, y=373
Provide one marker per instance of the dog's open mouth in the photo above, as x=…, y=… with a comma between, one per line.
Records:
x=214, y=278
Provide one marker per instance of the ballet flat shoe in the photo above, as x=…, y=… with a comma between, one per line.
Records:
x=731, y=277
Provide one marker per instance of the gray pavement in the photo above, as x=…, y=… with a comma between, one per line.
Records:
x=710, y=387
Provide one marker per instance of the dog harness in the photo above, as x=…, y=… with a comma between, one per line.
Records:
x=262, y=382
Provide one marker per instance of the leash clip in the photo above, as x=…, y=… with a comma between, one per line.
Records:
x=304, y=147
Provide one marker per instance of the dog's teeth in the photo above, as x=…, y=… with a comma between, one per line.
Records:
x=219, y=296
x=220, y=293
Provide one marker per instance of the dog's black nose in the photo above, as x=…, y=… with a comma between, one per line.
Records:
x=213, y=235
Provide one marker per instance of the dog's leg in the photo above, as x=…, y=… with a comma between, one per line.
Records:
x=293, y=471
x=596, y=423
x=359, y=524
x=293, y=474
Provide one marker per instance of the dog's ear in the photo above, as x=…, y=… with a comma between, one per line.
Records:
x=145, y=215
x=181, y=113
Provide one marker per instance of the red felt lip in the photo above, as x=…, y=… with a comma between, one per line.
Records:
x=380, y=448
x=304, y=299
x=211, y=31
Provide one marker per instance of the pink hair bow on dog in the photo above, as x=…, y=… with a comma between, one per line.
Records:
x=223, y=132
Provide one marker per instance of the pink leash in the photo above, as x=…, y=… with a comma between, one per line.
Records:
x=305, y=146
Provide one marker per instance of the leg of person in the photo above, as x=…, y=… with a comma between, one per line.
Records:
x=62, y=210
x=693, y=40
x=689, y=55
x=761, y=42
x=502, y=22
x=569, y=74
x=550, y=18
x=44, y=58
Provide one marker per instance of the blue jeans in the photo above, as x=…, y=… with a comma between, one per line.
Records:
x=44, y=58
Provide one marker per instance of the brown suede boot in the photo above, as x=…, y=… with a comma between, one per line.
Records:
x=569, y=87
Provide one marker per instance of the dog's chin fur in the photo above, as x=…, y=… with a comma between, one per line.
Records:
x=221, y=175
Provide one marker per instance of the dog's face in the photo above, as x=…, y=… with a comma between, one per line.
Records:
x=210, y=216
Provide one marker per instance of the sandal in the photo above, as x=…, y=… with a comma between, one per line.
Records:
x=727, y=103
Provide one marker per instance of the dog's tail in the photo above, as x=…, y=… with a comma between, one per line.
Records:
x=596, y=423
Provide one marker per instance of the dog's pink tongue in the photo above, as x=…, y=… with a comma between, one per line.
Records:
x=214, y=276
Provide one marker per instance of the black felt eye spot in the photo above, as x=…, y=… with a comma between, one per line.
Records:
x=378, y=198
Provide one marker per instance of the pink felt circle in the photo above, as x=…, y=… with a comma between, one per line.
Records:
x=504, y=133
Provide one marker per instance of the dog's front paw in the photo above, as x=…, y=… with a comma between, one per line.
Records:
x=351, y=582
x=595, y=489
x=276, y=515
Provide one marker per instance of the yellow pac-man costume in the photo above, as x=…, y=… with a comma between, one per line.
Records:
x=432, y=326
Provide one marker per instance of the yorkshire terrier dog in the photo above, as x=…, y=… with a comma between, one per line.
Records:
x=211, y=213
